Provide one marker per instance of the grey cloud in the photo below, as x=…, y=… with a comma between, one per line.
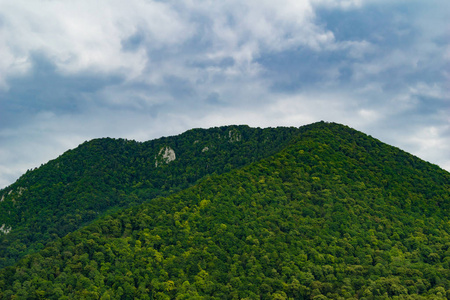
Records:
x=46, y=89
x=145, y=69
x=179, y=88
x=214, y=99
x=133, y=42
x=221, y=63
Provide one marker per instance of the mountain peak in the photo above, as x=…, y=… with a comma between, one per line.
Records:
x=321, y=211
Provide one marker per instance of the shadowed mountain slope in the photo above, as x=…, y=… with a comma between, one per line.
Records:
x=106, y=174
x=335, y=214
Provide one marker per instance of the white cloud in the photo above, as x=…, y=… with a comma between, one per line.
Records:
x=88, y=36
x=430, y=143
x=339, y=4
x=429, y=90
x=207, y=63
x=81, y=35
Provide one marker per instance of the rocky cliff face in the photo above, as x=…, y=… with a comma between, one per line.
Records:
x=165, y=156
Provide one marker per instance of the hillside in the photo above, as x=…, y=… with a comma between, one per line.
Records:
x=104, y=175
x=334, y=214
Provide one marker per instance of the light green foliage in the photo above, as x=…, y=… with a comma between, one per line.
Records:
x=335, y=214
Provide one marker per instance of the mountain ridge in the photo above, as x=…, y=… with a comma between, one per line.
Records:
x=334, y=214
x=105, y=174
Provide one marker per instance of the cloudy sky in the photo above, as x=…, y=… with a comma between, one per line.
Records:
x=71, y=71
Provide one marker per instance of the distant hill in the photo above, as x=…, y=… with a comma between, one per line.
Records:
x=104, y=175
x=331, y=213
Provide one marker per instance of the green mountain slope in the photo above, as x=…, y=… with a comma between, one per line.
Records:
x=106, y=174
x=335, y=214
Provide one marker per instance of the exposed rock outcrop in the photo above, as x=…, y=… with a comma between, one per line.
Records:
x=165, y=156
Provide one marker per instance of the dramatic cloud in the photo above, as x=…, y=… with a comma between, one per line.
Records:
x=75, y=70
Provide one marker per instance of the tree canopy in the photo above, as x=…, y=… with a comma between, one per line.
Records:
x=333, y=214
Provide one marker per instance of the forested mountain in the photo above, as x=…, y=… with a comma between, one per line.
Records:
x=107, y=174
x=332, y=213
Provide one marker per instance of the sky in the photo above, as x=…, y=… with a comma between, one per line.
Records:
x=71, y=71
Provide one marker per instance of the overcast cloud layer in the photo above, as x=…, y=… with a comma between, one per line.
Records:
x=71, y=71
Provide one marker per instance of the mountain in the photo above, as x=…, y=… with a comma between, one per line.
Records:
x=107, y=174
x=332, y=214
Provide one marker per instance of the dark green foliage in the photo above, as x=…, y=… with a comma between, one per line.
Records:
x=107, y=174
x=335, y=214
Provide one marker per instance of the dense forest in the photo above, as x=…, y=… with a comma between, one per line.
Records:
x=104, y=175
x=326, y=213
